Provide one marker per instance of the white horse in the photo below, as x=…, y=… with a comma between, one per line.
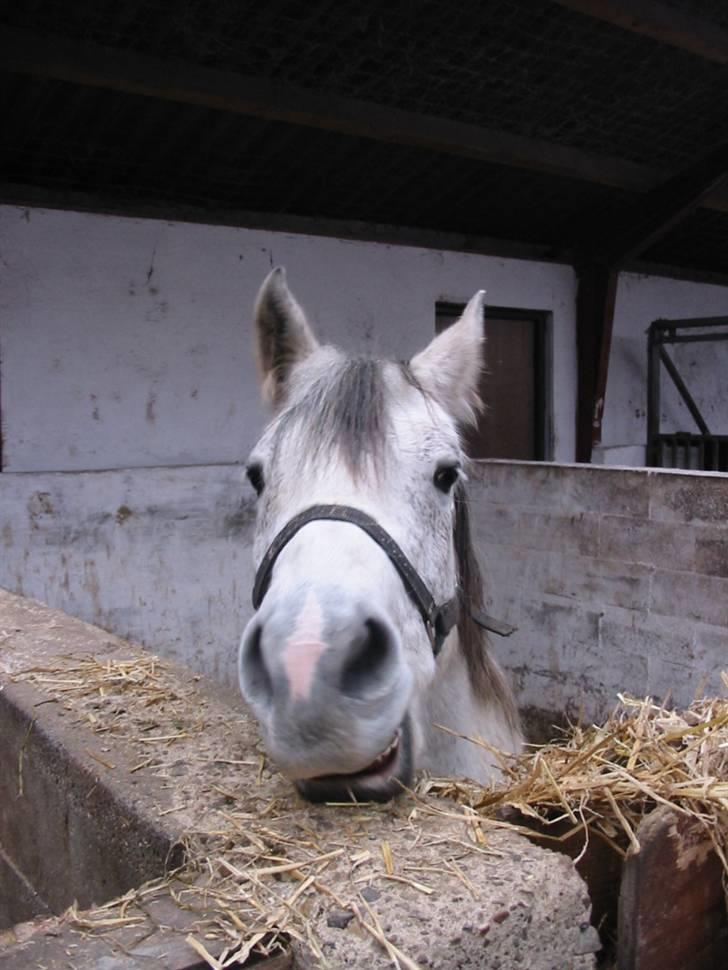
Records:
x=341, y=662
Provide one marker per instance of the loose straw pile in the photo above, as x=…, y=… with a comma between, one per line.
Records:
x=257, y=863
x=604, y=779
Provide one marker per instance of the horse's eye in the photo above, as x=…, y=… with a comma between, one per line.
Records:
x=255, y=477
x=446, y=476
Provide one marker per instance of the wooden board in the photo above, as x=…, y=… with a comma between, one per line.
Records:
x=672, y=908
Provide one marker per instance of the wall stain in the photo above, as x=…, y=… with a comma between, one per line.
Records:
x=65, y=582
x=150, y=411
x=239, y=521
x=150, y=271
x=123, y=513
x=91, y=585
x=39, y=505
x=155, y=314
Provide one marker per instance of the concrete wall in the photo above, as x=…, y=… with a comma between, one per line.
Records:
x=161, y=555
x=126, y=342
x=617, y=580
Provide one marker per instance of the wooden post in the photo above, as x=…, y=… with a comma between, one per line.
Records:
x=672, y=908
x=594, y=317
x=652, y=455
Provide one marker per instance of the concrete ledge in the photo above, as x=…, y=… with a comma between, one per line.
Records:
x=72, y=836
x=500, y=900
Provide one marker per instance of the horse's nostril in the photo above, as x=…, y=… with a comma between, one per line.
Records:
x=255, y=680
x=370, y=660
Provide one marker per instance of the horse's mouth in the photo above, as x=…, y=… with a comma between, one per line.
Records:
x=384, y=777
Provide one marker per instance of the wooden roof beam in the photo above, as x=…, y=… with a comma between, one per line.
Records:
x=661, y=23
x=83, y=63
x=658, y=211
x=598, y=260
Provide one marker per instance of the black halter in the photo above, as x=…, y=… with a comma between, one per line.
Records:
x=439, y=620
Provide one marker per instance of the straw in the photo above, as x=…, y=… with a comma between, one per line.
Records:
x=254, y=860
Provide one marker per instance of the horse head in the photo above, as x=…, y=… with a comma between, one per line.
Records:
x=359, y=483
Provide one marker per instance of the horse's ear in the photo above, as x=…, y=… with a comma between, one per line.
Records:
x=449, y=367
x=283, y=337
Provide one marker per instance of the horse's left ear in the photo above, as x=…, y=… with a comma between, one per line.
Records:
x=449, y=368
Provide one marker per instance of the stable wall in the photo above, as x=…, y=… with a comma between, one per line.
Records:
x=617, y=580
x=640, y=300
x=158, y=555
x=127, y=342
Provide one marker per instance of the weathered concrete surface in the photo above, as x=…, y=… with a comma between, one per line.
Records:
x=617, y=580
x=159, y=555
x=70, y=836
x=503, y=903
x=19, y=900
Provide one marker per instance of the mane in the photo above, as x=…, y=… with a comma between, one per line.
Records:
x=485, y=675
x=349, y=401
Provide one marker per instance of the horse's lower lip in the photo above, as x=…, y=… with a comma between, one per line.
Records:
x=387, y=776
x=380, y=768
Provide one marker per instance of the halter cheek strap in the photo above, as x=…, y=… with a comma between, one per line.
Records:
x=438, y=620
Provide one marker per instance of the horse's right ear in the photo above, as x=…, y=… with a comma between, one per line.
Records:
x=449, y=368
x=283, y=337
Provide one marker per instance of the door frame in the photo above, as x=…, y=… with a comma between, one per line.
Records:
x=542, y=356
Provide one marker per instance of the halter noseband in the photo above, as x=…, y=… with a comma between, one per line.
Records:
x=439, y=620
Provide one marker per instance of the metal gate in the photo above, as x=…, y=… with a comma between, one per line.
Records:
x=682, y=449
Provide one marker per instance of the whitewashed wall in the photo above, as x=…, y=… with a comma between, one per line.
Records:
x=126, y=342
x=640, y=300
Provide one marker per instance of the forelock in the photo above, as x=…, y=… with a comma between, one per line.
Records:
x=344, y=408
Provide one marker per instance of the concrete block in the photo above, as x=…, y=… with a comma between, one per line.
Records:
x=160, y=555
x=647, y=541
x=494, y=524
x=634, y=650
x=690, y=595
x=558, y=623
x=554, y=660
x=688, y=497
x=19, y=900
x=711, y=554
x=675, y=682
x=551, y=532
x=595, y=582
x=710, y=649
x=567, y=488
x=528, y=907
x=503, y=569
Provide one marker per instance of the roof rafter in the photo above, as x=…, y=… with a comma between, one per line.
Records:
x=89, y=64
x=601, y=254
x=658, y=211
x=662, y=23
